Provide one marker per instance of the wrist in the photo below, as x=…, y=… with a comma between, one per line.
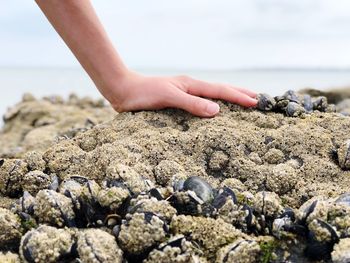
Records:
x=114, y=87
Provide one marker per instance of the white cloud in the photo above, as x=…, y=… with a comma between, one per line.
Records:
x=193, y=33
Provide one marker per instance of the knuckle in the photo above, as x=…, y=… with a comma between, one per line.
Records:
x=183, y=78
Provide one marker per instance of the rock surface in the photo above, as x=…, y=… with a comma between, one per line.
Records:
x=276, y=182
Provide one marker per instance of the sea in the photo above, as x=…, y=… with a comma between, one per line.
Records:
x=63, y=81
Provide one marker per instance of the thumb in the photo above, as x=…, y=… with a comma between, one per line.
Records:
x=195, y=105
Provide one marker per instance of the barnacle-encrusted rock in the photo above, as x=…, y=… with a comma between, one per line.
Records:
x=121, y=174
x=35, y=181
x=11, y=174
x=54, y=208
x=211, y=234
x=218, y=160
x=46, y=244
x=165, y=170
x=321, y=230
x=274, y=156
x=133, y=176
x=236, y=185
x=141, y=231
x=95, y=246
x=341, y=251
x=35, y=161
x=112, y=197
x=282, y=179
x=344, y=155
x=35, y=124
x=9, y=257
x=267, y=203
x=314, y=208
x=159, y=207
x=10, y=229
x=321, y=239
x=176, y=249
x=72, y=186
x=240, y=251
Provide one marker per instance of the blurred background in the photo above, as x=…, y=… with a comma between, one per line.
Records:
x=265, y=45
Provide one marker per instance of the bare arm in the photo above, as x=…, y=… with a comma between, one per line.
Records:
x=79, y=26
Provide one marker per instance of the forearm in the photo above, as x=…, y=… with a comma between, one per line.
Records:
x=77, y=23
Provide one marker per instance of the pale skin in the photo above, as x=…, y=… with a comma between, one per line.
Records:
x=77, y=23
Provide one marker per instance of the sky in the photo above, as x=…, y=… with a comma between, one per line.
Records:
x=192, y=34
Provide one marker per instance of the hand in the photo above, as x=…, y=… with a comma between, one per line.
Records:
x=126, y=90
x=137, y=92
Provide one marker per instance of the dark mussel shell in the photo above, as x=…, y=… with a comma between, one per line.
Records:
x=294, y=109
x=317, y=250
x=265, y=102
x=202, y=189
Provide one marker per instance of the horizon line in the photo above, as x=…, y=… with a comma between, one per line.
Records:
x=167, y=69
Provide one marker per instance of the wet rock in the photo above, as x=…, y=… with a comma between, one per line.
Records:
x=255, y=175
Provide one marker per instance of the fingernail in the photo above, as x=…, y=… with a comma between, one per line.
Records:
x=212, y=108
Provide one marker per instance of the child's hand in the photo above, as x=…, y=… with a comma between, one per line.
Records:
x=137, y=92
x=126, y=90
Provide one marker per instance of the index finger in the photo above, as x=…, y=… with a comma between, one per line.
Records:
x=221, y=91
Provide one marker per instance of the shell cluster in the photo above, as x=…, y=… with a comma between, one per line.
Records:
x=188, y=220
x=293, y=104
